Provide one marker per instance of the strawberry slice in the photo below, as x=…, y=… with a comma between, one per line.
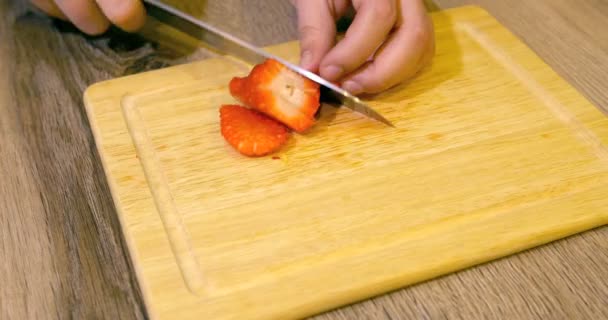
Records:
x=250, y=132
x=280, y=93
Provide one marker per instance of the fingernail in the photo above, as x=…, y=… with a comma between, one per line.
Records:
x=306, y=59
x=352, y=87
x=331, y=73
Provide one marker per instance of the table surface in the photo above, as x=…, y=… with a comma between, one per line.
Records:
x=62, y=253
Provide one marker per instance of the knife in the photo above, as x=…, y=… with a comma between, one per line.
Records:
x=228, y=43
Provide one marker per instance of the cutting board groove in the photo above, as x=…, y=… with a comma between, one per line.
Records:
x=547, y=98
x=492, y=153
x=176, y=231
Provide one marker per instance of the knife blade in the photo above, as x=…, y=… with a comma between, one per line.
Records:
x=239, y=48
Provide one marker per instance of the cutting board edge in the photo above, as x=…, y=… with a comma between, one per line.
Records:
x=91, y=91
x=133, y=255
x=371, y=290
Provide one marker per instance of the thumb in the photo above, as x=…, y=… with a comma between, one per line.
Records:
x=317, y=32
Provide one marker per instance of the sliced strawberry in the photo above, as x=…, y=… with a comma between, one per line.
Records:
x=280, y=93
x=250, y=132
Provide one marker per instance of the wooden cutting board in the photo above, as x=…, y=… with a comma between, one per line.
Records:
x=492, y=153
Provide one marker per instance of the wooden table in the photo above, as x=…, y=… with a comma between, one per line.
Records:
x=62, y=253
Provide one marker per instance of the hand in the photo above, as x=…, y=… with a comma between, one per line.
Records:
x=388, y=42
x=95, y=16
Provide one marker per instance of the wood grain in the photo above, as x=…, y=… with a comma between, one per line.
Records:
x=62, y=254
x=61, y=251
x=491, y=153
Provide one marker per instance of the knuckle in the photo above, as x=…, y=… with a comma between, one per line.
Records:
x=377, y=86
x=309, y=35
x=380, y=83
x=372, y=81
x=422, y=33
x=409, y=74
x=309, y=30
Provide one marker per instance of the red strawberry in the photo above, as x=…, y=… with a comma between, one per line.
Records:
x=280, y=93
x=251, y=132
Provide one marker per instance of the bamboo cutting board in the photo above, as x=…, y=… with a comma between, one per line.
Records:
x=492, y=153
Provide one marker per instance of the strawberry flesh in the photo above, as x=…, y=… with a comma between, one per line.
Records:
x=250, y=132
x=280, y=93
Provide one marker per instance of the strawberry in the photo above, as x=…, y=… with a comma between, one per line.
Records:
x=280, y=93
x=250, y=132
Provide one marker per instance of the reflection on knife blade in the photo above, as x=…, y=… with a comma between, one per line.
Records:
x=248, y=52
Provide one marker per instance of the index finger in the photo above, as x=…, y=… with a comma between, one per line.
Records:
x=317, y=31
x=372, y=23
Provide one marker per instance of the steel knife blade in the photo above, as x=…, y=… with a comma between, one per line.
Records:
x=234, y=46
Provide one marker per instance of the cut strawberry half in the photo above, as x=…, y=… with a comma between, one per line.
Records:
x=280, y=93
x=250, y=132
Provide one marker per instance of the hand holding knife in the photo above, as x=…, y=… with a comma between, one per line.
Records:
x=240, y=49
x=388, y=41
